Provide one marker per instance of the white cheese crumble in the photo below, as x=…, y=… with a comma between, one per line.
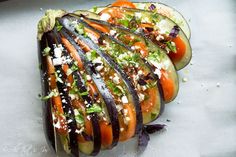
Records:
x=124, y=99
x=159, y=37
x=141, y=97
x=119, y=107
x=112, y=32
x=88, y=77
x=99, y=68
x=57, y=52
x=158, y=72
x=138, y=15
x=116, y=80
x=163, y=26
x=126, y=120
x=57, y=61
x=105, y=17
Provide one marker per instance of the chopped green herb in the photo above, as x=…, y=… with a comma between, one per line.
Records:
x=94, y=109
x=58, y=26
x=79, y=118
x=95, y=8
x=83, y=93
x=80, y=29
x=117, y=91
x=154, y=56
x=124, y=22
x=152, y=84
x=46, y=51
x=153, y=115
x=50, y=95
x=58, y=78
x=171, y=46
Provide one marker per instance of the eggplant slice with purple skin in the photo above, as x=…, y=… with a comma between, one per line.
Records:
x=155, y=111
x=130, y=88
x=81, y=85
x=106, y=95
x=66, y=104
x=156, y=58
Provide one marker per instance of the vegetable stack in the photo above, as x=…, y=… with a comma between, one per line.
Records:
x=107, y=73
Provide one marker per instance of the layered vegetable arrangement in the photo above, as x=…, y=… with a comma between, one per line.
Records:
x=107, y=73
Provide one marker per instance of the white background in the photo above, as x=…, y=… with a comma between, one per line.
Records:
x=203, y=116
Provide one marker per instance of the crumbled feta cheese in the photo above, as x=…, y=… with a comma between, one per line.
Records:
x=99, y=68
x=141, y=97
x=72, y=96
x=57, y=61
x=163, y=26
x=133, y=48
x=126, y=120
x=88, y=77
x=145, y=20
x=156, y=64
x=69, y=121
x=98, y=60
x=124, y=99
x=144, y=87
x=57, y=52
x=158, y=72
x=112, y=32
x=119, y=107
x=57, y=125
x=122, y=129
x=105, y=17
x=138, y=15
x=116, y=80
x=63, y=101
x=79, y=131
x=159, y=37
x=140, y=72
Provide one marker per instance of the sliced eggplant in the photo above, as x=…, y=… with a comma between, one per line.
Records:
x=96, y=77
x=139, y=43
x=160, y=8
x=122, y=77
x=136, y=68
x=160, y=29
x=66, y=102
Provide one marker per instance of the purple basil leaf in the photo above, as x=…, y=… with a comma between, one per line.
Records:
x=152, y=7
x=174, y=32
x=150, y=129
x=143, y=141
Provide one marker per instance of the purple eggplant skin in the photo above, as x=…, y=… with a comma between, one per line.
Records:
x=46, y=105
x=112, y=63
x=67, y=107
x=93, y=116
x=106, y=95
x=159, y=87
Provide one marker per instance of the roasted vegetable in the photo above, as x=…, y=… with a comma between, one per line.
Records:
x=104, y=80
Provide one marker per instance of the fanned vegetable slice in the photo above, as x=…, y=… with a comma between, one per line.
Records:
x=157, y=7
x=160, y=29
x=137, y=69
x=74, y=49
x=155, y=56
x=114, y=83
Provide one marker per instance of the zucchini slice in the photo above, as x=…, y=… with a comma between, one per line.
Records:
x=147, y=49
x=160, y=29
x=160, y=8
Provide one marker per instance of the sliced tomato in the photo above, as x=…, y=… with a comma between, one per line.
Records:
x=180, y=50
x=88, y=129
x=141, y=47
x=73, y=52
x=123, y=3
x=103, y=29
x=129, y=130
x=167, y=85
x=65, y=68
x=149, y=103
x=106, y=134
x=92, y=90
